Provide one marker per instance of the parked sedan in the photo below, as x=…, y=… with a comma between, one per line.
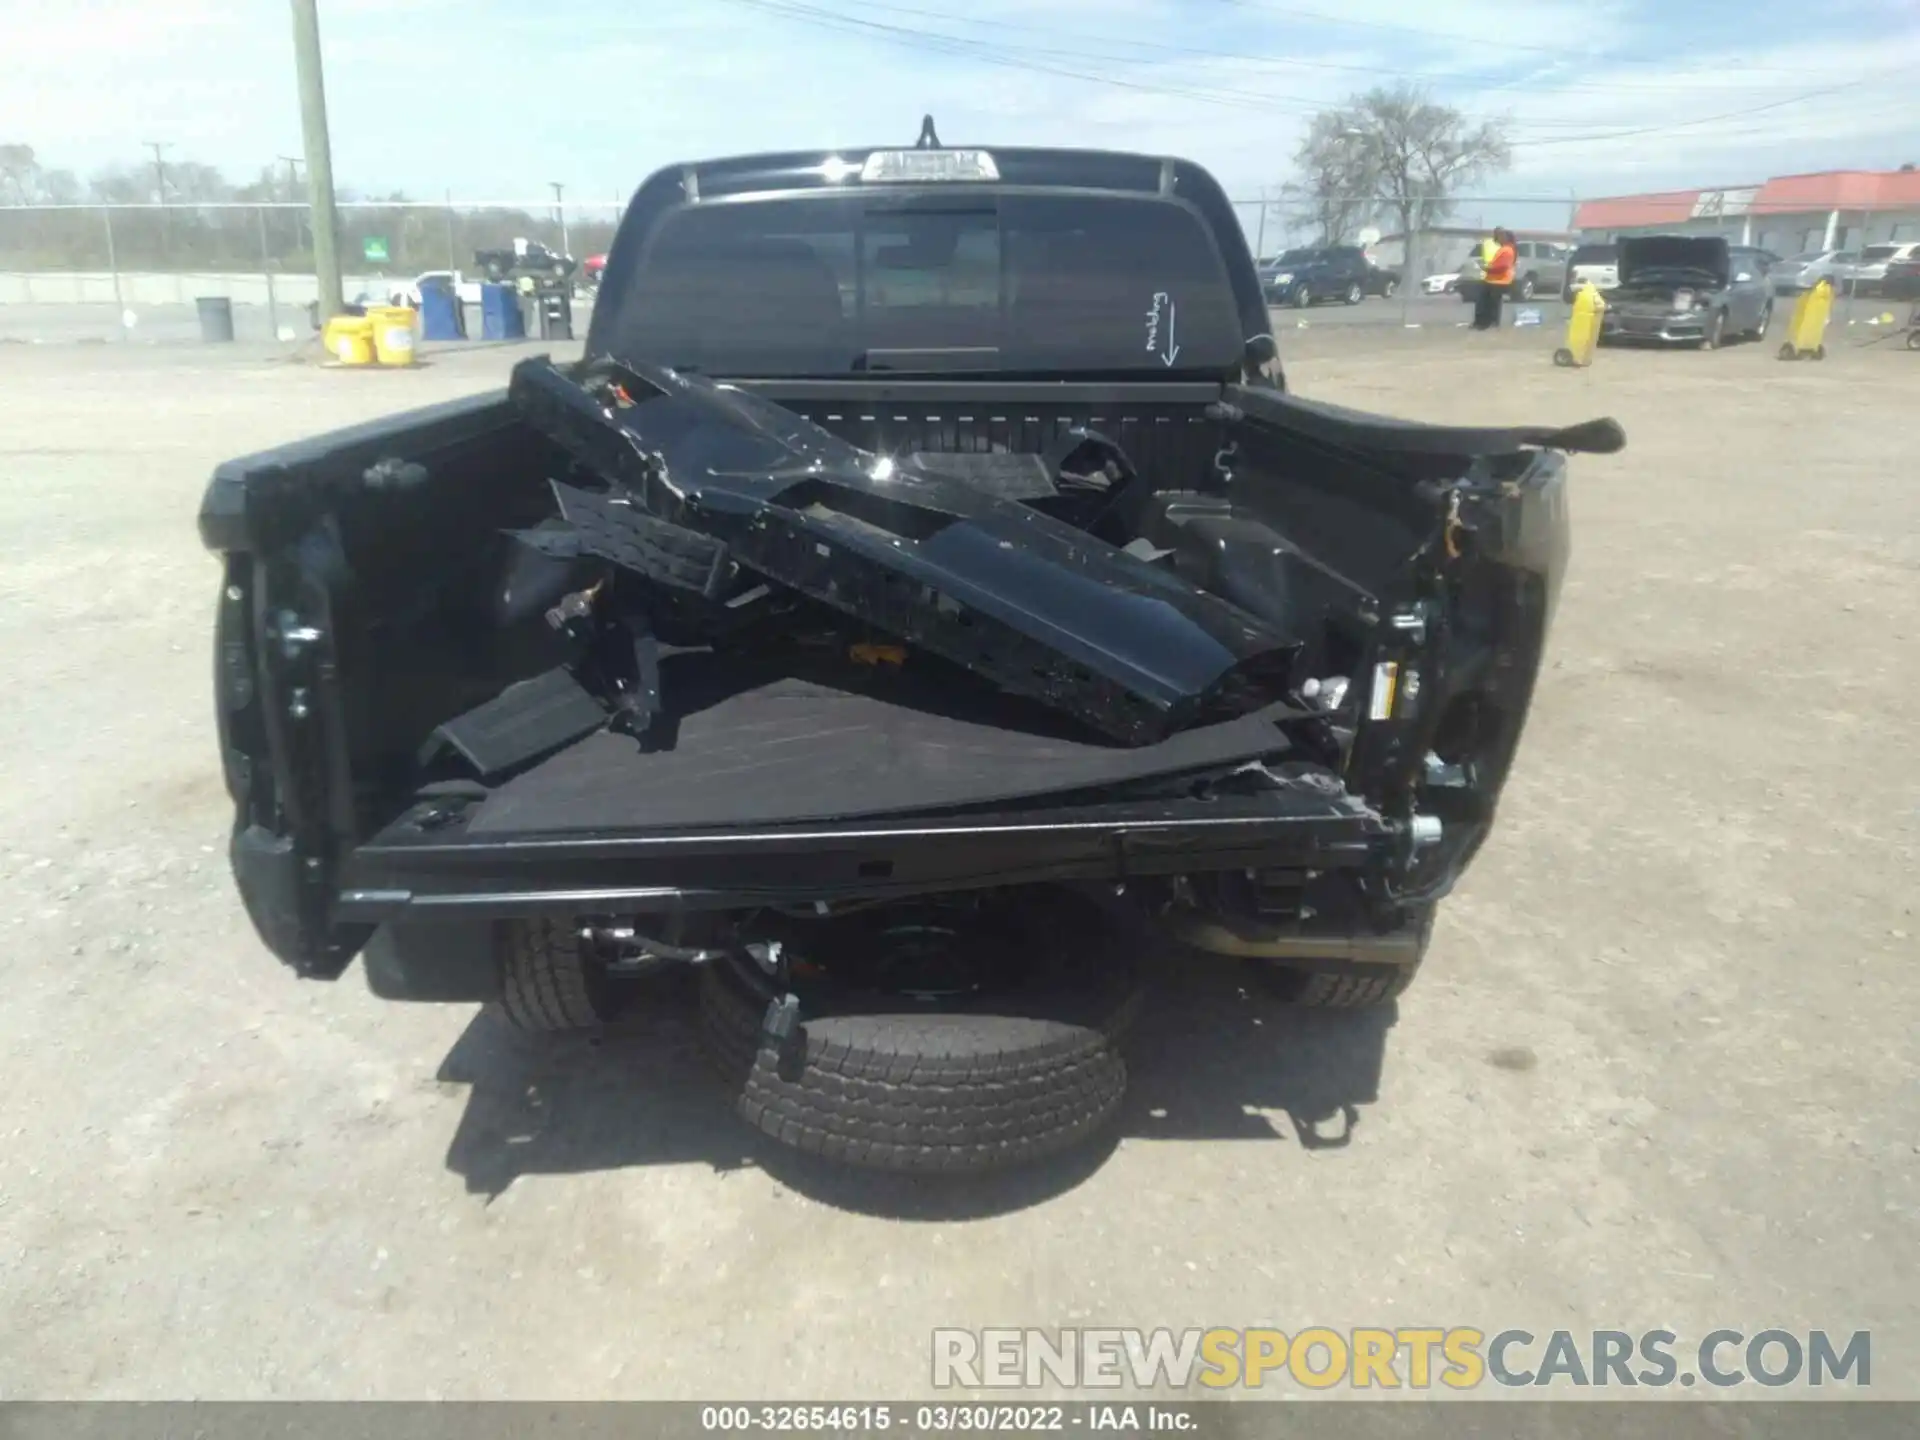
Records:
x=1688, y=290
x=1808, y=269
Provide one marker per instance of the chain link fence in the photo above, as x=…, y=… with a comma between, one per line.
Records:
x=99, y=272
x=134, y=271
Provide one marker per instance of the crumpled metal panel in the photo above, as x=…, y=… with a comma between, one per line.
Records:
x=1029, y=602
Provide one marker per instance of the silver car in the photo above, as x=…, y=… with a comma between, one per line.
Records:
x=1803, y=272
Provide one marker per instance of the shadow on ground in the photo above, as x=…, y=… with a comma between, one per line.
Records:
x=1215, y=1058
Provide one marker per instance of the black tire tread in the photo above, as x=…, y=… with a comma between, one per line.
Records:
x=544, y=986
x=876, y=1091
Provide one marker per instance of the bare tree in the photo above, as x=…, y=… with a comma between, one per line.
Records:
x=19, y=175
x=1337, y=183
x=1396, y=154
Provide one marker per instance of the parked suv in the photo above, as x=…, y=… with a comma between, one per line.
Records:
x=1321, y=272
x=1538, y=265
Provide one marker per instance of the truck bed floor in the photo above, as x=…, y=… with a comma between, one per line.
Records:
x=746, y=746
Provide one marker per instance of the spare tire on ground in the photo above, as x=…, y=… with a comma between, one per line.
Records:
x=960, y=1037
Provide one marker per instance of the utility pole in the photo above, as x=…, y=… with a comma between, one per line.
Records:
x=292, y=163
x=560, y=211
x=160, y=194
x=159, y=167
x=313, y=126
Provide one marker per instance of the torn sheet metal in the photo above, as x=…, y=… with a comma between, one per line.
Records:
x=1031, y=603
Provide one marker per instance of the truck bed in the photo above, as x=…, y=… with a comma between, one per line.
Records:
x=747, y=745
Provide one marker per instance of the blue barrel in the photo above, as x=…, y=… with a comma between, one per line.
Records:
x=500, y=317
x=440, y=317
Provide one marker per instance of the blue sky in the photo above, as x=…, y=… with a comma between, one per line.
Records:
x=491, y=99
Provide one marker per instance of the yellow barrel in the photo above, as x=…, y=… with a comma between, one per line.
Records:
x=349, y=339
x=392, y=333
x=1583, y=328
x=1807, y=330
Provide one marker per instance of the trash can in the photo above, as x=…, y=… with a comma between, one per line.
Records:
x=392, y=333
x=556, y=314
x=216, y=317
x=440, y=317
x=349, y=339
x=500, y=317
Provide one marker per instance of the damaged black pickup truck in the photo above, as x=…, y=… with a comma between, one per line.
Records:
x=923, y=590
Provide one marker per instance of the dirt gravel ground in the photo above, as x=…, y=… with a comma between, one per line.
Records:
x=1661, y=1070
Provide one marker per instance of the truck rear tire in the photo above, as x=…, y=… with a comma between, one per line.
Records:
x=994, y=1081
x=547, y=985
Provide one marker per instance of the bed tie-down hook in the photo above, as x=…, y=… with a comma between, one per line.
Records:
x=1223, y=459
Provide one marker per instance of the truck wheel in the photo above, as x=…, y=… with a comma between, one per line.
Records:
x=1302, y=297
x=996, y=1080
x=1716, y=331
x=547, y=984
x=1345, y=984
x=1388, y=288
x=1355, y=295
x=1526, y=287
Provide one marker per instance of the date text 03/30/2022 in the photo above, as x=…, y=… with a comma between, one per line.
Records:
x=944, y=1419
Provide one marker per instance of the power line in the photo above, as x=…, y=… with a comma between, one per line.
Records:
x=1009, y=58
x=1377, y=71
x=977, y=50
x=1667, y=127
x=1017, y=58
x=1559, y=52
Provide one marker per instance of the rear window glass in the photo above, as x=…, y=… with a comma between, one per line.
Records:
x=843, y=284
x=1595, y=255
x=1878, y=252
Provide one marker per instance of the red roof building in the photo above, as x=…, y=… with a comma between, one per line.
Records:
x=1833, y=209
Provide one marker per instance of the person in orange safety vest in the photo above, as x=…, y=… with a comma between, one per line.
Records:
x=1493, y=289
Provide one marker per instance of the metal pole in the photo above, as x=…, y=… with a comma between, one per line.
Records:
x=266, y=268
x=113, y=266
x=313, y=127
x=453, y=262
x=1859, y=247
x=160, y=194
x=560, y=210
x=1408, y=266
x=1260, y=244
x=293, y=193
